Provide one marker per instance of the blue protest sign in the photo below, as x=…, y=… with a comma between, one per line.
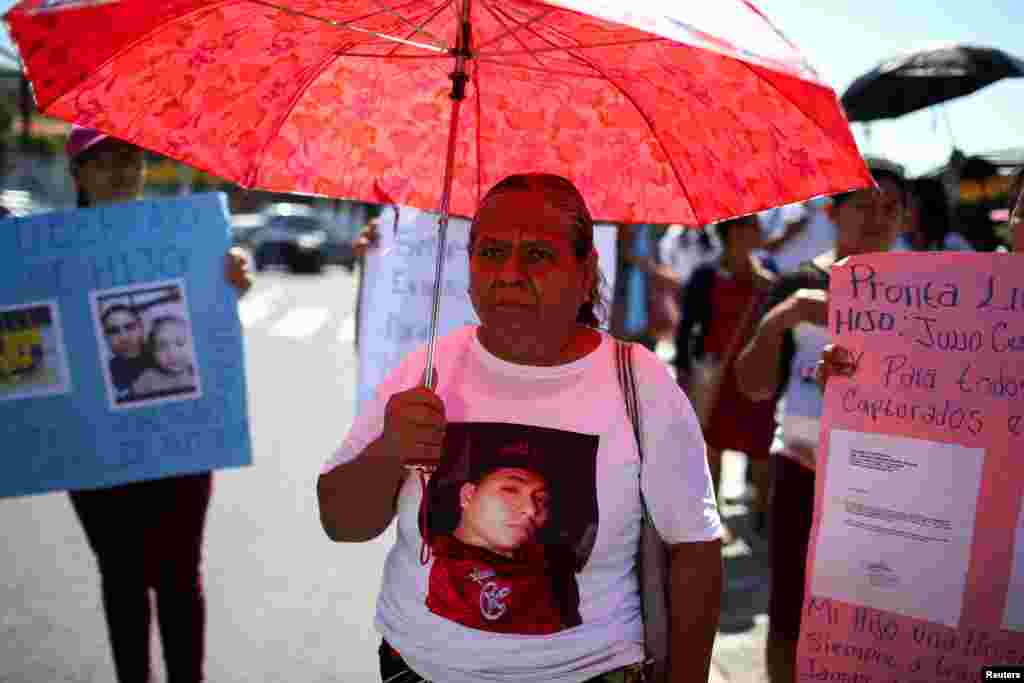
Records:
x=120, y=346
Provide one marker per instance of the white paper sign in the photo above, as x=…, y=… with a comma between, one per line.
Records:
x=904, y=508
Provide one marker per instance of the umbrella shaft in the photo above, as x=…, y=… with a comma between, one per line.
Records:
x=458, y=94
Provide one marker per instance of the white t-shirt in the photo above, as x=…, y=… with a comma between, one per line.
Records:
x=680, y=249
x=581, y=400
x=800, y=408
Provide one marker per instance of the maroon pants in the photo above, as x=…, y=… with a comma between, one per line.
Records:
x=148, y=535
x=792, y=512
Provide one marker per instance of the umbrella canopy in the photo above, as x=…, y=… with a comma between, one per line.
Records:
x=920, y=79
x=690, y=118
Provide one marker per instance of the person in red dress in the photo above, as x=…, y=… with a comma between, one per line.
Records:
x=718, y=303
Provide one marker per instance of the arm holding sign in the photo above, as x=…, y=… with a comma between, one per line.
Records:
x=357, y=499
x=761, y=380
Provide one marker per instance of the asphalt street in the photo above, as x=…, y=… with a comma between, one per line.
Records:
x=284, y=603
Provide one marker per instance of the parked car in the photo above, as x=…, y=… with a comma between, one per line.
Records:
x=244, y=225
x=293, y=236
x=16, y=203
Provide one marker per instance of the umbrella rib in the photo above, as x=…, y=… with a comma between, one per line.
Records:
x=783, y=95
x=438, y=42
x=612, y=43
x=518, y=39
x=437, y=45
x=316, y=73
x=426, y=21
x=782, y=36
x=370, y=55
x=137, y=41
x=661, y=143
x=643, y=115
x=545, y=69
x=216, y=3
x=518, y=25
x=479, y=125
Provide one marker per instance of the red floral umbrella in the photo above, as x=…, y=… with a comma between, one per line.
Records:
x=656, y=117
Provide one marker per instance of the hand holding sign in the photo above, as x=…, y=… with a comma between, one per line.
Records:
x=836, y=361
x=237, y=270
x=368, y=238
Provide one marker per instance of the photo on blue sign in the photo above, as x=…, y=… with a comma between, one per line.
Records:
x=33, y=360
x=144, y=335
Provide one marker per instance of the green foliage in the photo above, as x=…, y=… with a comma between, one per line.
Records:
x=35, y=145
x=7, y=114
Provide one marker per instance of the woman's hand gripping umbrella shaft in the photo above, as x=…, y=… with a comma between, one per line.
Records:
x=357, y=499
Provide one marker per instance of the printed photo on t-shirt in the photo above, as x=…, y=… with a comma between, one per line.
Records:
x=510, y=518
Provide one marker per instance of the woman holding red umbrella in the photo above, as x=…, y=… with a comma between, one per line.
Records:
x=539, y=367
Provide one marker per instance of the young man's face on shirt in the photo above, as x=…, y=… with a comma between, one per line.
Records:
x=504, y=510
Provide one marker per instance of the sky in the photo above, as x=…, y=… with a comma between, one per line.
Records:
x=843, y=39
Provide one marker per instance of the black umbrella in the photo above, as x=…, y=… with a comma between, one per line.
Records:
x=920, y=79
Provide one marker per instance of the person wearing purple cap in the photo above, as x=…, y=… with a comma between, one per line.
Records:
x=105, y=169
x=145, y=535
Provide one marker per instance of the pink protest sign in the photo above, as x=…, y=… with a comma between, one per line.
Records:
x=916, y=566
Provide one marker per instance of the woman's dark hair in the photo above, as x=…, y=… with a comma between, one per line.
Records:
x=877, y=174
x=725, y=228
x=118, y=308
x=704, y=241
x=563, y=195
x=933, y=210
x=83, y=200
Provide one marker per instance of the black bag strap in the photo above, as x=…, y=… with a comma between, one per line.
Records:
x=654, y=599
x=627, y=383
